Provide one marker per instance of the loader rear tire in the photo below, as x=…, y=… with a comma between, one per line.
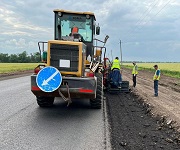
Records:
x=45, y=101
x=97, y=102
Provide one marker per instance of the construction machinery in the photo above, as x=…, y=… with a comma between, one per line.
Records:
x=77, y=58
x=111, y=79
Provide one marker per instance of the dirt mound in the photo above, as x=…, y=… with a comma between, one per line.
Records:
x=167, y=103
x=133, y=128
x=5, y=76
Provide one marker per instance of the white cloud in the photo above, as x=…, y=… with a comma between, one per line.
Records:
x=19, y=24
x=145, y=27
x=18, y=45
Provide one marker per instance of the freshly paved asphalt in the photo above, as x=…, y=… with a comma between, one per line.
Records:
x=24, y=125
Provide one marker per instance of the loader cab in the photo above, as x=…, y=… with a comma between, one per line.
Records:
x=84, y=22
x=66, y=21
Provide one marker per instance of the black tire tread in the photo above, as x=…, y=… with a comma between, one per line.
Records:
x=45, y=101
x=97, y=102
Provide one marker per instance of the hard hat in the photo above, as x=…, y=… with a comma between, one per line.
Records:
x=75, y=30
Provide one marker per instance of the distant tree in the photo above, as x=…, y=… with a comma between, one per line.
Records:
x=13, y=58
x=22, y=57
x=4, y=58
x=37, y=57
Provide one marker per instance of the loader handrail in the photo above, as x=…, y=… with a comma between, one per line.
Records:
x=99, y=40
x=39, y=46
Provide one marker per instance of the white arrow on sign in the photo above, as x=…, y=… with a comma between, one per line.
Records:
x=45, y=82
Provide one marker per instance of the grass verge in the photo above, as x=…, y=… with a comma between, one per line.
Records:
x=15, y=67
x=175, y=74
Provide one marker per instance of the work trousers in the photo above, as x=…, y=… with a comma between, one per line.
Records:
x=134, y=80
x=119, y=76
x=156, y=87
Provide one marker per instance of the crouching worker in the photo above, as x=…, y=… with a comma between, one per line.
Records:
x=116, y=73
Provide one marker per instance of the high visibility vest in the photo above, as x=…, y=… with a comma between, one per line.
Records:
x=155, y=76
x=135, y=70
x=116, y=64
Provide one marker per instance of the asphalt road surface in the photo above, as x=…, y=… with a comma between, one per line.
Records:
x=24, y=125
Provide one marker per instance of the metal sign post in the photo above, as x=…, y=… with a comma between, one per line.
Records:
x=121, y=52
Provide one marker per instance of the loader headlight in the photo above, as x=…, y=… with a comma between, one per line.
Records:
x=87, y=16
x=59, y=14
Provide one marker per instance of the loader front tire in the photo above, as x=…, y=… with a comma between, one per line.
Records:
x=45, y=101
x=97, y=102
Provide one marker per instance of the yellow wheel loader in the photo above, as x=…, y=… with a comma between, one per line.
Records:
x=73, y=62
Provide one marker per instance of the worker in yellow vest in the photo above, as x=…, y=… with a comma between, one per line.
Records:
x=116, y=67
x=116, y=64
x=156, y=78
x=134, y=73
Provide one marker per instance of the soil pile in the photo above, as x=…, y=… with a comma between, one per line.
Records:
x=133, y=128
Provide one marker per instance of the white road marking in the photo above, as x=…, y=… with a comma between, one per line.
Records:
x=45, y=82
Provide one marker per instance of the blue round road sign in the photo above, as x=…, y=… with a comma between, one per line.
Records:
x=49, y=79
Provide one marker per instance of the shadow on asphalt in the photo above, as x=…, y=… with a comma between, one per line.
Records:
x=78, y=109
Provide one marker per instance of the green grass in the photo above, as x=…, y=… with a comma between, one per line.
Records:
x=169, y=69
x=15, y=67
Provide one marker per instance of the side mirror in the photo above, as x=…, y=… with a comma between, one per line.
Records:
x=97, y=30
x=44, y=56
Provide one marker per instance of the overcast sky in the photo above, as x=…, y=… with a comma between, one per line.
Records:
x=149, y=29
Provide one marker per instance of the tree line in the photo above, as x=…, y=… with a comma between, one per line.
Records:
x=23, y=57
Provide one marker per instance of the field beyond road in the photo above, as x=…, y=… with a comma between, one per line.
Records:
x=169, y=69
x=15, y=67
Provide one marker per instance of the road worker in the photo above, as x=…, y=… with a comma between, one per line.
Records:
x=116, y=70
x=156, y=78
x=74, y=30
x=134, y=73
x=76, y=35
